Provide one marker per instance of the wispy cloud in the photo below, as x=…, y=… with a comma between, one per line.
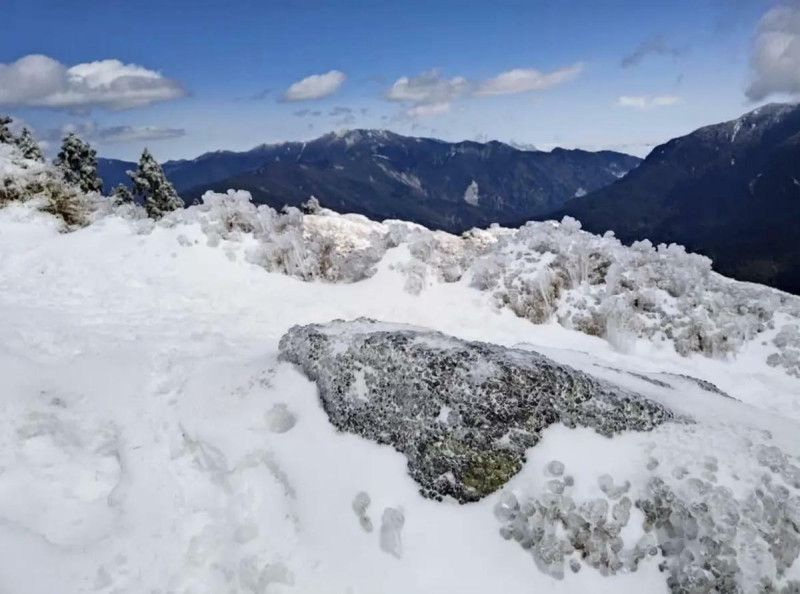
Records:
x=644, y=102
x=425, y=110
x=428, y=93
x=90, y=132
x=315, y=86
x=40, y=81
x=338, y=111
x=651, y=46
x=521, y=80
x=775, y=57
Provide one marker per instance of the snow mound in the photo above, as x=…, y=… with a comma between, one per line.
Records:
x=544, y=271
x=463, y=412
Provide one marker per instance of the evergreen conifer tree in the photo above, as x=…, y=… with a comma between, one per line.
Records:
x=28, y=146
x=122, y=194
x=152, y=185
x=5, y=132
x=77, y=161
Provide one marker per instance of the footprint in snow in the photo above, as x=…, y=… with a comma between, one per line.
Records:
x=279, y=419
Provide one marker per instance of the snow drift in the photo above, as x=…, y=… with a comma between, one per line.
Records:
x=153, y=440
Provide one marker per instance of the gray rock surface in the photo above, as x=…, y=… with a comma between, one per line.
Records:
x=390, y=383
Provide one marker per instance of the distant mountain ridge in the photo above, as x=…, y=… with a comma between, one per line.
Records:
x=443, y=185
x=730, y=191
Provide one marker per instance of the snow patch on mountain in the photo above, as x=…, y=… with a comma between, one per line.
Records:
x=471, y=194
x=409, y=179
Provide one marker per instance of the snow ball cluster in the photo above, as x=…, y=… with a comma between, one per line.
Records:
x=707, y=537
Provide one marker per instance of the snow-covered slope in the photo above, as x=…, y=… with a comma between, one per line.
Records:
x=152, y=439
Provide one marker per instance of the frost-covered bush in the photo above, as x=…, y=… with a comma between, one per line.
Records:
x=788, y=356
x=542, y=272
x=325, y=247
x=44, y=187
x=706, y=537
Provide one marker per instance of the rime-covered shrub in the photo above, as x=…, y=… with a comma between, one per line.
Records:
x=542, y=272
x=705, y=536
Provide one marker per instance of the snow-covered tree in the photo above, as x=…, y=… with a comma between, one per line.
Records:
x=28, y=146
x=122, y=194
x=152, y=185
x=5, y=132
x=77, y=161
x=311, y=206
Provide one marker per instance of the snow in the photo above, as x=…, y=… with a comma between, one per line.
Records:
x=151, y=441
x=471, y=194
x=409, y=179
x=580, y=192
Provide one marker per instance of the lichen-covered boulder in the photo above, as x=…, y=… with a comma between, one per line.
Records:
x=462, y=412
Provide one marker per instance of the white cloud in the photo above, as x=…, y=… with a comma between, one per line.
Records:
x=428, y=88
x=90, y=132
x=521, y=80
x=117, y=134
x=422, y=111
x=775, y=57
x=430, y=93
x=646, y=102
x=40, y=81
x=315, y=86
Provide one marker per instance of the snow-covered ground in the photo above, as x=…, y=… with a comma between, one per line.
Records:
x=152, y=441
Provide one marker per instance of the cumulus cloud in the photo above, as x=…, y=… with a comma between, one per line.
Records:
x=775, y=57
x=652, y=46
x=91, y=132
x=315, y=86
x=426, y=94
x=646, y=102
x=521, y=80
x=40, y=81
x=430, y=93
x=427, y=88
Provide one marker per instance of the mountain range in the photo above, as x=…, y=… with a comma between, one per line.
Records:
x=730, y=191
x=449, y=186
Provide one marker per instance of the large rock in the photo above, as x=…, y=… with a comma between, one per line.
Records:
x=462, y=412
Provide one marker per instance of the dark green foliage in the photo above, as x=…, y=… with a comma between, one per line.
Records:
x=5, y=132
x=150, y=183
x=77, y=161
x=28, y=146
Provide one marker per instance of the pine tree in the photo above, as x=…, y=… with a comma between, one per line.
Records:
x=122, y=195
x=28, y=146
x=152, y=185
x=5, y=132
x=78, y=164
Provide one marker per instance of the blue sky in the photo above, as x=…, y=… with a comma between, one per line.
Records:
x=210, y=75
